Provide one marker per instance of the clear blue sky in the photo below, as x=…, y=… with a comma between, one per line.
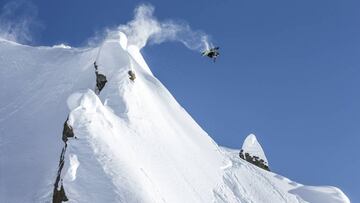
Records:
x=289, y=72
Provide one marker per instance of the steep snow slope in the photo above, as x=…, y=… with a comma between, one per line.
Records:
x=249, y=183
x=134, y=142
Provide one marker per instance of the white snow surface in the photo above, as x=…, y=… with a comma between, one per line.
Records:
x=253, y=147
x=134, y=142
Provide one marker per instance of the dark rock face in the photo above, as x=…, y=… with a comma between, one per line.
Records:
x=254, y=160
x=67, y=131
x=132, y=75
x=100, y=81
x=59, y=196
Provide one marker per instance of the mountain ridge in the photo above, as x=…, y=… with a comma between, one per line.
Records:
x=133, y=141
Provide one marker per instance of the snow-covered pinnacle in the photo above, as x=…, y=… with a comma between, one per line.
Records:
x=252, y=147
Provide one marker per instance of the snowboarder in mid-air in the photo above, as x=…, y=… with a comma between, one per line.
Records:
x=212, y=53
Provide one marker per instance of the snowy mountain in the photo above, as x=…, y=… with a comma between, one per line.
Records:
x=132, y=142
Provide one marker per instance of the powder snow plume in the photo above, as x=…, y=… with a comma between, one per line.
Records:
x=146, y=29
x=18, y=21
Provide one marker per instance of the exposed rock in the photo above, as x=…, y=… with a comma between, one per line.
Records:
x=59, y=195
x=252, y=152
x=254, y=160
x=67, y=131
x=132, y=75
x=100, y=79
x=100, y=82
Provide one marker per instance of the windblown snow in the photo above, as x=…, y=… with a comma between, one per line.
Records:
x=133, y=142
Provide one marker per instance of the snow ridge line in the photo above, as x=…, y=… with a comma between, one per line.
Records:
x=59, y=193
